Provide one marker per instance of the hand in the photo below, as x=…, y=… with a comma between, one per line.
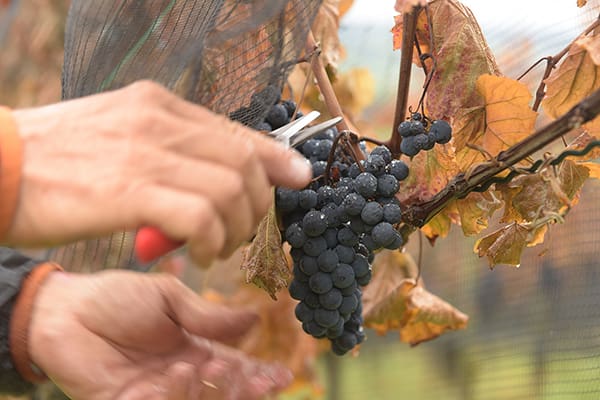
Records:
x=128, y=336
x=142, y=156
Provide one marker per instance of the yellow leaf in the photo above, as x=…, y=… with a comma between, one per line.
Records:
x=264, y=260
x=475, y=211
x=593, y=168
x=438, y=226
x=581, y=3
x=503, y=119
x=577, y=77
x=345, y=6
x=394, y=301
x=355, y=89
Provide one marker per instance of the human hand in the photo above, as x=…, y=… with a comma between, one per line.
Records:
x=142, y=156
x=127, y=336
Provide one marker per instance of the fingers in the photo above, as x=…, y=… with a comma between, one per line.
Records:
x=201, y=318
x=182, y=382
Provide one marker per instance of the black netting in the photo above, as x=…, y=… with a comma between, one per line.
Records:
x=231, y=56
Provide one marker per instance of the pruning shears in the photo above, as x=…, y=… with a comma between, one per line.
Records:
x=151, y=243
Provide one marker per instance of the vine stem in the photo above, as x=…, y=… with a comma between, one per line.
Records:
x=331, y=101
x=461, y=185
x=409, y=29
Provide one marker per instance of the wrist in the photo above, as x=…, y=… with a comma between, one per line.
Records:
x=11, y=160
x=21, y=322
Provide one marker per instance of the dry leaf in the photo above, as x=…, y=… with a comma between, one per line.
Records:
x=355, y=90
x=264, y=260
x=576, y=77
x=507, y=120
x=438, y=226
x=593, y=168
x=394, y=301
x=504, y=246
x=581, y=3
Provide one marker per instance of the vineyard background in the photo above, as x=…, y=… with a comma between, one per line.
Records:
x=534, y=332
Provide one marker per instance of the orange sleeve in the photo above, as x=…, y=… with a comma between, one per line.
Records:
x=21, y=319
x=11, y=159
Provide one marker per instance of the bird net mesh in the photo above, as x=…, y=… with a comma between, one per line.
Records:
x=232, y=56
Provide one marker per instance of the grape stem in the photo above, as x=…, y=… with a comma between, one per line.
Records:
x=461, y=185
x=409, y=29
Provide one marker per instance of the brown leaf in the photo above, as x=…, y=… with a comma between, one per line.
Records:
x=264, y=260
x=325, y=29
x=475, y=210
x=581, y=3
x=404, y=6
x=593, y=168
x=576, y=77
x=507, y=120
x=438, y=226
x=355, y=89
x=394, y=301
x=505, y=245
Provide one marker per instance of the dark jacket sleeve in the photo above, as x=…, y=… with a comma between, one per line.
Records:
x=14, y=267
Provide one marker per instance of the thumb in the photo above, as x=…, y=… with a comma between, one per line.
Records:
x=202, y=318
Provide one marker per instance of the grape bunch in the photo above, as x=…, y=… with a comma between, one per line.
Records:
x=418, y=134
x=334, y=228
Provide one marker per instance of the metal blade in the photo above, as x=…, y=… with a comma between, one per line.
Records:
x=284, y=133
x=313, y=131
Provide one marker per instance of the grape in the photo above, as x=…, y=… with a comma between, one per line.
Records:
x=324, y=149
x=314, y=223
x=299, y=275
x=337, y=330
x=347, y=237
x=314, y=329
x=392, y=213
x=387, y=185
x=366, y=184
x=263, y=126
x=319, y=168
x=354, y=171
x=441, y=130
x=383, y=234
x=384, y=152
x=364, y=280
x=375, y=165
x=277, y=116
x=416, y=128
x=345, y=254
x=407, y=146
x=349, y=304
x=404, y=129
x=290, y=107
x=326, y=318
x=350, y=289
x=308, y=265
x=399, y=169
x=328, y=134
x=327, y=260
x=368, y=241
x=295, y=236
x=312, y=299
x=315, y=246
x=347, y=341
x=310, y=148
x=372, y=213
x=307, y=199
x=342, y=276
x=298, y=290
x=397, y=243
x=360, y=265
x=354, y=203
x=420, y=141
x=331, y=300
x=430, y=142
x=416, y=116
x=320, y=283
x=304, y=313
x=330, y=236
x=286, y=199
x=325, y=195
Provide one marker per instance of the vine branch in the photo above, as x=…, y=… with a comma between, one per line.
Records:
x=409, y=29
x=461, y=185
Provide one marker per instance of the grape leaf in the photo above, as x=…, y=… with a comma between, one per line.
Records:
x=581, y=3
x=505, y=245
x=475, y=210
x=264, y=260
x=326, y=27
x=507, y=120
x=576, y=77
x=589, y=160
x=394, y=301
x=440, y=224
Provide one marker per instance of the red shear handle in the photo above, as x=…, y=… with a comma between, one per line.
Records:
x=151, y=243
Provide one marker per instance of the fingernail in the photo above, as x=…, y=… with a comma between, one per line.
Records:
x=301, y=167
